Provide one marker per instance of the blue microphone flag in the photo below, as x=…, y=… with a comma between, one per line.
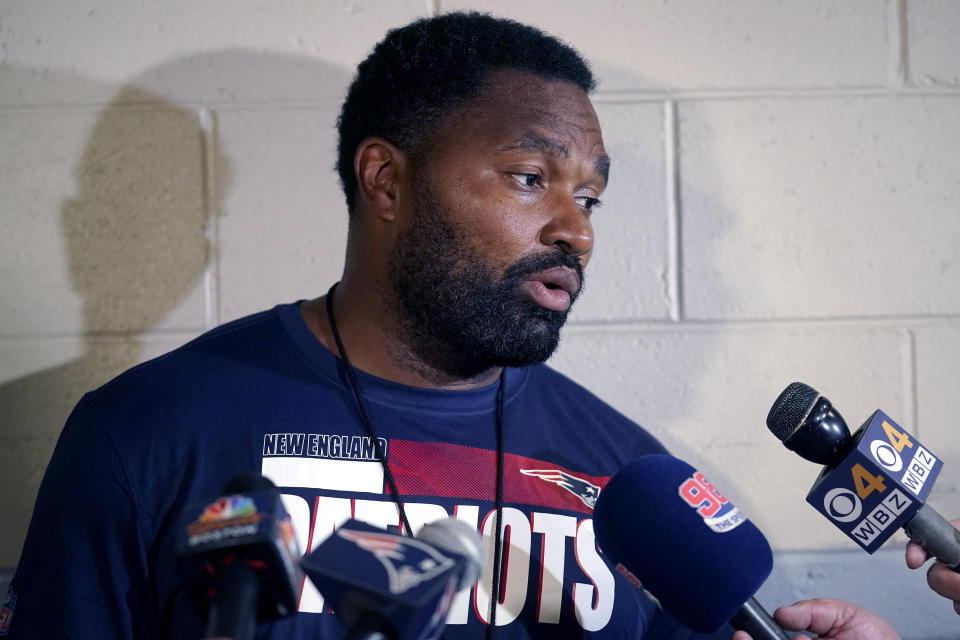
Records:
x=400, y=585
x=879, y=485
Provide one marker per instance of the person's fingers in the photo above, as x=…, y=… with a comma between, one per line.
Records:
x=833, y=618
x=944, y=581
x=916, y=555
x=743, y=635
x=819, y=615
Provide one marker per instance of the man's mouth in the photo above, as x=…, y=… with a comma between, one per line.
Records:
x=553, y=289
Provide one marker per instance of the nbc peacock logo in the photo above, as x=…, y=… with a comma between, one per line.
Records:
x=228, y=508
x=225, y=514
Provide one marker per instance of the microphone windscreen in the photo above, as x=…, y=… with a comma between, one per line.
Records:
x=689, y=546
x=456, y=536
x=790, y=409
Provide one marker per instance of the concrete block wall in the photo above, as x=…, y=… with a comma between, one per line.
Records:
x=783, y=206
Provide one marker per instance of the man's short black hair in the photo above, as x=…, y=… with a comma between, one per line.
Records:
x=425, y=70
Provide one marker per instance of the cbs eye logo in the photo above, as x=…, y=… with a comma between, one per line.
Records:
x=886, y=455
x=842, y=505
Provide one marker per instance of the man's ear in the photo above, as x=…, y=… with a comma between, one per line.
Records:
x=381, y=170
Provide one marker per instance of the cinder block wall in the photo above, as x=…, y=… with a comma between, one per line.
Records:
x=783, y=206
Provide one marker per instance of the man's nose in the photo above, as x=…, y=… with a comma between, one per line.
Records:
x=568, y=228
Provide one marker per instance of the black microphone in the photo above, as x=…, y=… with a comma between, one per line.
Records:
x=389, y=586
x=241, y=553
x=668, y=530
x=873, y=482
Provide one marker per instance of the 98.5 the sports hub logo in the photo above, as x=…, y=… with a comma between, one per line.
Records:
x=717, y=512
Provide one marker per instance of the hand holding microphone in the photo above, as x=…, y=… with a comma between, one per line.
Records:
x=941, y=578
x=873, y=481
x=831, y=620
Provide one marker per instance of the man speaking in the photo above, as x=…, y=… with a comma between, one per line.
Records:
x=472, y=162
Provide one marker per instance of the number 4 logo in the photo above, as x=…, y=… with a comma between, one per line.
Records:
x=899, y=439
x=865, y=482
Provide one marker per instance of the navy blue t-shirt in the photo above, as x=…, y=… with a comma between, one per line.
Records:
x=262, y=395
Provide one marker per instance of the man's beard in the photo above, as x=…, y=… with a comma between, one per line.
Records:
x=457, y=314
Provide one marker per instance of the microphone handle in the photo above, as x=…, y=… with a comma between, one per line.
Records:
x=233, y=611
x=936, y=535
x=754, y=619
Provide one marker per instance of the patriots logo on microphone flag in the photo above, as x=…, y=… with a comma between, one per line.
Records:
x=407, y=561
x=370, y=576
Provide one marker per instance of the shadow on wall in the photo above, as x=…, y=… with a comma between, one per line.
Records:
x=140, y=238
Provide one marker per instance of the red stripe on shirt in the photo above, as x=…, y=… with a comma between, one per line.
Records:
x=455, y=471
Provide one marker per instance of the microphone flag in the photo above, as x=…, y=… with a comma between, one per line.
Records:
x=879, y=485
x=396, y=585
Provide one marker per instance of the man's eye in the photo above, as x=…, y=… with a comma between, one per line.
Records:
x=588, y=203
x=527, y=179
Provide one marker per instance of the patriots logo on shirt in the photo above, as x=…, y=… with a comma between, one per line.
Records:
x=407, y=561
x=584, y=490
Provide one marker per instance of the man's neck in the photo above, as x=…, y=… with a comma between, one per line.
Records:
x=373, y=339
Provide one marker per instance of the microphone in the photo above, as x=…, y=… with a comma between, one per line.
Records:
x=667, y=529
x=457, y=537
x=873, y=481
x=242, y=548
x=389, y=586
